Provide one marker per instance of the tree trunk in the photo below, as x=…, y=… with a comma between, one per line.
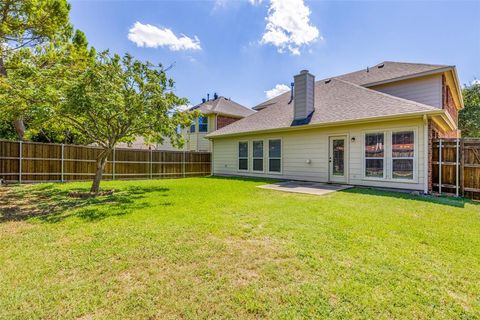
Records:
x=19, y=127
x=101, y=162
x=18, y=123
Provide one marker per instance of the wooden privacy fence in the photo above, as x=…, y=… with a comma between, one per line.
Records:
x=456, y=167
x=37, y=162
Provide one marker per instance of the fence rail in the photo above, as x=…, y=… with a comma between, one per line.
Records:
x=456, y=167
x=38, y=162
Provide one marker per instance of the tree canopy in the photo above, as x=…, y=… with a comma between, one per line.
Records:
x=26, y=24
x=469, y=118
x=116, y=99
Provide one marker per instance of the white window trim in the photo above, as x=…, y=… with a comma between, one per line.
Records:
x=263, y=156
x=248, y=156
x=414, y=158
x=387, y=162
x=364, y=166
x=281, y=156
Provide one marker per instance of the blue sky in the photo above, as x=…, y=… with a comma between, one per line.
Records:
x=227, y=47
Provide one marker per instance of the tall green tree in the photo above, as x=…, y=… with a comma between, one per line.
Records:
x=37, y=76
x=469, y=118
x=117, y=99
x=28, y=23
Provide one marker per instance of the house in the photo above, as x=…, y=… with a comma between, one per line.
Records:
x=371, y=127
x=215, y=113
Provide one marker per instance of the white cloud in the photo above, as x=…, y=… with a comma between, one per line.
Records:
x=476, y=81
x=278, y=90
x=288, y=26
x=255, y=2
x=183, y=107
x=146, y=35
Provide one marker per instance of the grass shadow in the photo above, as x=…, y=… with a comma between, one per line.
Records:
x=441, y=200
x=51, y=204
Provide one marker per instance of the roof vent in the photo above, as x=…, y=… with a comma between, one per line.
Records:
x=204, y=100
x=215, y=96
x=380, y=66
x=368, y=69
x=328, y=81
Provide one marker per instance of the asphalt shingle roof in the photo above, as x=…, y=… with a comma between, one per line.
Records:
x=224, y=106
x=388, y=70
x=343, y=98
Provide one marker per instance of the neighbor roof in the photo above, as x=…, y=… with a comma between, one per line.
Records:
x=335, y=101
x=223, y=106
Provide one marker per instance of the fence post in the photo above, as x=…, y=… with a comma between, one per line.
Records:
x=151, y=159
x=113, y=164
x=20, y=156
x=440, y=167
x=183, y=164
x=457, y=165
x=63, y=159
x=462, y=167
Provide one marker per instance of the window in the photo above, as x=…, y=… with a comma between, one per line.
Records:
x=374, y=155
x=192, y=126
x=202, y=124
x=275, y=155
x=257, y=155
x=243, y=156
x=403, y=152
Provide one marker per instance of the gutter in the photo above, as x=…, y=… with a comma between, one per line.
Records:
x=333, y=124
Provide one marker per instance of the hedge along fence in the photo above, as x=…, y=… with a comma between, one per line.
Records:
x=41, y=162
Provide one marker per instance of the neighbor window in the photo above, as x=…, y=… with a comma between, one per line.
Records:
x=192, y=126
x=202, y=124
x=257, y=147
x=275, y=155
x=374, y=155
x=243, y=156
x=403, y=152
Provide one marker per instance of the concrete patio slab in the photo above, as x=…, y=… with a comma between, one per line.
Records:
x=315, y=188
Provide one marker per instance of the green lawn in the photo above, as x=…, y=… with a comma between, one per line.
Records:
x=222, y=248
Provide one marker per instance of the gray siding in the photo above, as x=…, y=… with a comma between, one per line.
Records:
x=426, y=90
x=304, y=95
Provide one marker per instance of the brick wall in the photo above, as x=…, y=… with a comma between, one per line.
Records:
x=223, y=121
x=448, y=102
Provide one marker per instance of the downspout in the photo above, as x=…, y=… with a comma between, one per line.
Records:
x=426, y=150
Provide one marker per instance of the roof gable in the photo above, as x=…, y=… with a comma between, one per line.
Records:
x=223, y=106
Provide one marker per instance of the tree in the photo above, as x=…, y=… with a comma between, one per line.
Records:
x=118, y=99
x=37, y=76
x=469, y=118
x=27, y=23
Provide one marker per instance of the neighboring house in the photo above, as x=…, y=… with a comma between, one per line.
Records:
x=215, y=114
x=372, y=127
